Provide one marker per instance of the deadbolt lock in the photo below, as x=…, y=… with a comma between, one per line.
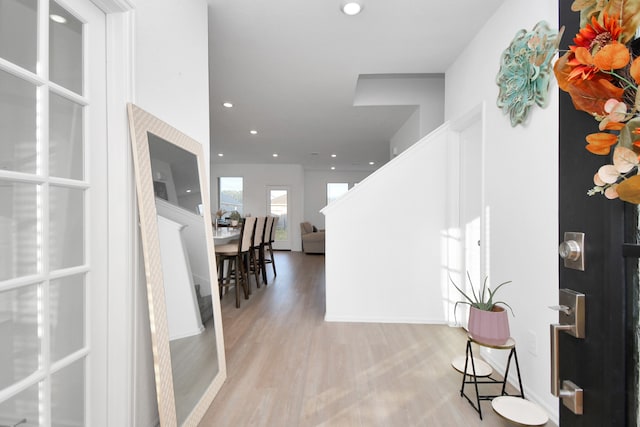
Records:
x=572, y=250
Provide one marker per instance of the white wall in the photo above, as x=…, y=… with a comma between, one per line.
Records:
x=172, y=64
x=423, y=90
x=315, y=191
x=406, y=136
x=520, y=189
x=381, y=270
x=195, y=244
x=256, y=180
x=183, y=315
x=171, y=82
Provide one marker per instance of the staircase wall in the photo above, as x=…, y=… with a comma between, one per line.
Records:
x=387, y=242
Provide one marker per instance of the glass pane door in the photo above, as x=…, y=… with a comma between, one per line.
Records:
x=278, y=199
x=48, y=191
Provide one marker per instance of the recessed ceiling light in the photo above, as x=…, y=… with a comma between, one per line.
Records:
x=188, y=191
x=372, y=163
x=351, y=8
x=220, y=155
x=275, y=154
x=333, y=168
x=57, y=18
x=227, y=104
x=333, y=155
x=253, y=132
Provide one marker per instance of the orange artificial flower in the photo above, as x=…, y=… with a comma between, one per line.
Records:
x=612, y=57
x=587, y=95
x=600, y=143
x=593, y=36
x=636, y=131
x=612, y=126
x=588, y=42
x=629, y=190
x=635, y=70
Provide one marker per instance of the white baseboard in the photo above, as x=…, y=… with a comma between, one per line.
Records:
x=408, y=320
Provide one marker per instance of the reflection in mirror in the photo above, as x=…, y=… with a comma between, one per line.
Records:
x=175, y=221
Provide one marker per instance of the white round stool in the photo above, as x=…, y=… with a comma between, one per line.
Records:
x=519, y=411
x=483, y=369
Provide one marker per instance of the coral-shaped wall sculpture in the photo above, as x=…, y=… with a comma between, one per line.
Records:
x=525, y=70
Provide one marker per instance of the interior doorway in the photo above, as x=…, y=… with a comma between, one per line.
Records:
x=470, y=240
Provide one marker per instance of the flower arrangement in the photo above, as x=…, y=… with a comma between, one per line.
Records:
x=601, y=73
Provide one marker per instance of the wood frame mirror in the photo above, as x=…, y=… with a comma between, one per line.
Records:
x=179, y=259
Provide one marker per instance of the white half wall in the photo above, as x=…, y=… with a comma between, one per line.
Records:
x=382, y=270
x=521, y=193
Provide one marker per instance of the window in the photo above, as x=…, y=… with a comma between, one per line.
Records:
x=230, y=194
x=335, y=190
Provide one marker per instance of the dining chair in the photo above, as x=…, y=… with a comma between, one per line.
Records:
x=258, y=248
x=236, y=254
x=252, y=265
x=270, y=234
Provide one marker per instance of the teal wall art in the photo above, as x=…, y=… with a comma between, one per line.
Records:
x=525, y=71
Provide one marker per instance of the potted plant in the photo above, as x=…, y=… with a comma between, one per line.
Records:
x=488, y=322
x=219, y=214
x=234, y=218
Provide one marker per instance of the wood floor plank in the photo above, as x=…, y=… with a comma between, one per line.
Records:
x=287, y=367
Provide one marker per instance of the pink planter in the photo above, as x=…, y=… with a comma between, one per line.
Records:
x=489, y=327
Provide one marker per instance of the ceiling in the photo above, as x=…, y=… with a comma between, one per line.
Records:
x=290, y=68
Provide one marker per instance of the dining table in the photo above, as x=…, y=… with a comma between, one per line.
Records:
x=223, y=235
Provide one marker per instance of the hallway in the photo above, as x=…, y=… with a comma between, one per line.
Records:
x=287, y=367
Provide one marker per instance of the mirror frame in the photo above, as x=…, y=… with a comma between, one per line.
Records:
x=140, y=124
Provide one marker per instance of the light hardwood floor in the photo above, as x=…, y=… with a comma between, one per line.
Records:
x=286, y=366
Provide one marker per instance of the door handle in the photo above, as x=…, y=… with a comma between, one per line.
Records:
x=570, y=393
x=555, y=357
x=572, y=321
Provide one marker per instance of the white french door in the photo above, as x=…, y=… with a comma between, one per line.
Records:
x=278, y=206
x=53, y=213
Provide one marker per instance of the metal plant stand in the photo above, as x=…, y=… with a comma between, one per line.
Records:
x=471, y=376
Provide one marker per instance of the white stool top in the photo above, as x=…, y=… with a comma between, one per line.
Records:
x=482, y=368
x=510, y=343
x=519, y=411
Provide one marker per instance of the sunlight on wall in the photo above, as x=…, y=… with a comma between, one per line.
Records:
x=472, y=250
x=486, y=238
x=460, y=258
x=451, y=248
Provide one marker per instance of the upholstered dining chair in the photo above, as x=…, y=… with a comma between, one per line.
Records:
x=235, y=254
x=258, y=248
x=270, y=237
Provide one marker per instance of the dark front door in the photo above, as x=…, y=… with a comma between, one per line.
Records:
x=602, y=363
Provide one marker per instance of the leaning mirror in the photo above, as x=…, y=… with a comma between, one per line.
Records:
x=177, y=241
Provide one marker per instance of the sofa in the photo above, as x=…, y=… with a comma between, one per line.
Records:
x=312, y=238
